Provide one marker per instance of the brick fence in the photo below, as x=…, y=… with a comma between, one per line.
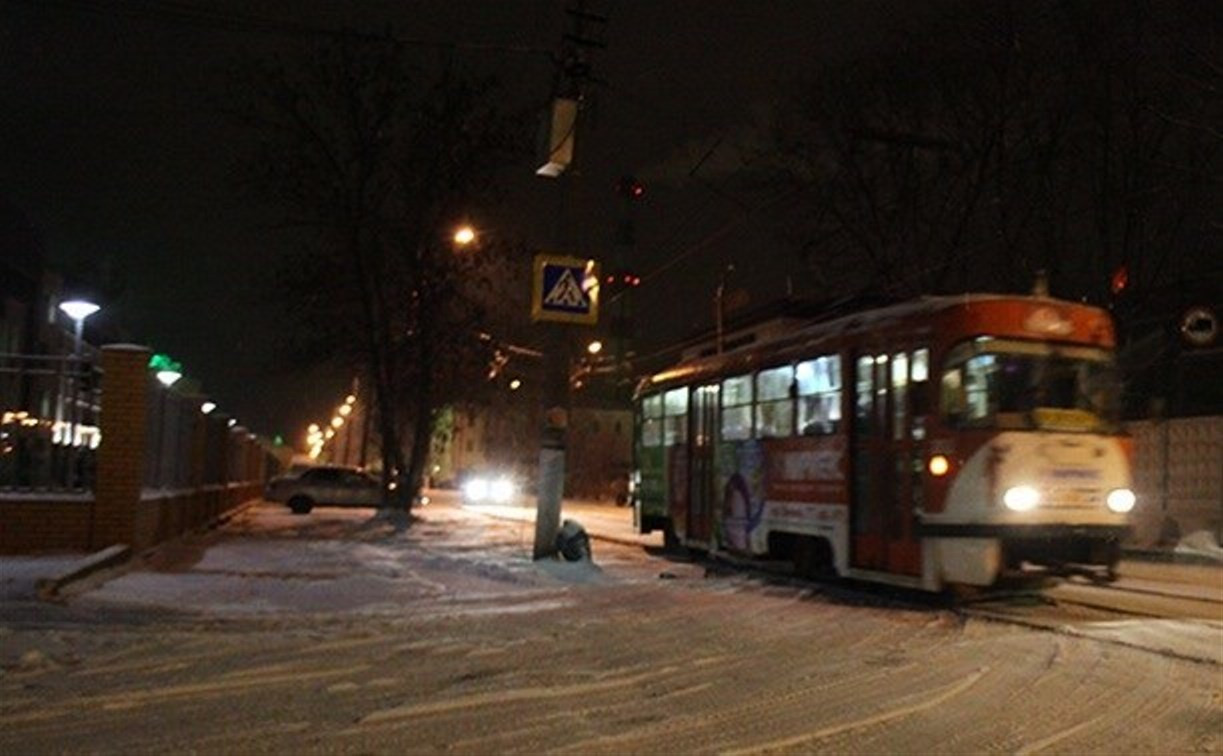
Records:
x=225, y=468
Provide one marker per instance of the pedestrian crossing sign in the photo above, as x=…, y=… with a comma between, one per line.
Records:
x=565, y=290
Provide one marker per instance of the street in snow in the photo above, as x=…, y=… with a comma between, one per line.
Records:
x=331, y=632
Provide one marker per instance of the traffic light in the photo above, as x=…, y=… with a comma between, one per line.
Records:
x=630, y=188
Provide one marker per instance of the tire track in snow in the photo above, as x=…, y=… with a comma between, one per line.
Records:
x=514, y=695
x=123, y=700
x=904, y=711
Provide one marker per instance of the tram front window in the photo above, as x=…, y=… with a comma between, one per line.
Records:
x=1020, y=385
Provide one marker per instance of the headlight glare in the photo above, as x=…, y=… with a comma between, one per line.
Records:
x=476, y=489
x=1121, y=500
x=1021, y=498
x=501, y=491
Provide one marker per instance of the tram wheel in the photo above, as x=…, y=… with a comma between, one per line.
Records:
x=963, y=592
x=812, y=558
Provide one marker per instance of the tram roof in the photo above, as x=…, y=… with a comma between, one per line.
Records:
x=819, y=331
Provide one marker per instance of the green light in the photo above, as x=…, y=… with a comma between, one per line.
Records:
x=161, y=361
x=279, y=440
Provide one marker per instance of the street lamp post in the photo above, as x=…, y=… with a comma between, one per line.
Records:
x=77, y=310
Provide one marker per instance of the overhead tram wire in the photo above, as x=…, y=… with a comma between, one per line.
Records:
x=688, y=250
x=189, y=14
x=680, y=231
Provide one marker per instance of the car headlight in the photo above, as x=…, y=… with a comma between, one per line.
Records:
x=1021, y=498
x=476, y=489
x=501, y=491
x=1121, y=500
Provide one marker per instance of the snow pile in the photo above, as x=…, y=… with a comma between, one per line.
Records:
x=19, y=575
x=1201, y=543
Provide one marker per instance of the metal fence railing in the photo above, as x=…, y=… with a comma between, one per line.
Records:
x=49, y=408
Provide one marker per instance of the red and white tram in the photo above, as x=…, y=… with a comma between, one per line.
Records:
x=948, y=440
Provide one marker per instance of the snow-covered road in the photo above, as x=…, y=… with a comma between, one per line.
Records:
x=333, y=633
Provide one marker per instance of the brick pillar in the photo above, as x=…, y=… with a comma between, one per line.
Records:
x=120, y=472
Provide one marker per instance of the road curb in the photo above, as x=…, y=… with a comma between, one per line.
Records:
x=1170, y=557
x=49, y=588
x=225, y=517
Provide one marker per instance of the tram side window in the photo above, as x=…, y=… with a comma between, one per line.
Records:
x=900, y=398
x=651, y=420
x=919, y=377
x=819, y=395
x=774, y=407
x=737, y=408
x=675, y=422
x=966, y=390
x=865, y=395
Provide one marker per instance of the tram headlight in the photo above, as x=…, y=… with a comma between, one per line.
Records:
x=939, y=465
x=1121, y=500
x=1021, y=498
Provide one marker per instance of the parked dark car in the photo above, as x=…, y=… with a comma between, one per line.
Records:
x=325, y=486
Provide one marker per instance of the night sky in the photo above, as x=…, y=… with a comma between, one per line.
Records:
x=116, y=147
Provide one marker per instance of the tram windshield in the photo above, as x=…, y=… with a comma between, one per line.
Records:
x=989, y=383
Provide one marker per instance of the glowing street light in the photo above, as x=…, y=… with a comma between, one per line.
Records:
x=168, y=377
x=594, y=347
x=515, y=384
x=464, y=235
x=208, y=407
x=77, y=310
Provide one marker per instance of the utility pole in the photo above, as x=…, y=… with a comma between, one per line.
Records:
x=569, y=93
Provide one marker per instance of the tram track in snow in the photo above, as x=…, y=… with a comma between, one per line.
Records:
x=1145, y=591
x=1047, y=609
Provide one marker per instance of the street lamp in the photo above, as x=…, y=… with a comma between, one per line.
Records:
x=464, y=235
x=168, y=377
x=594, y=347
x=78, y=310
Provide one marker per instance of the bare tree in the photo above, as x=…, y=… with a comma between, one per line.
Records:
x=987, y=145
x=377, y=162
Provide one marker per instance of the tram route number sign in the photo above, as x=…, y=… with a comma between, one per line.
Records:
x=565, y=290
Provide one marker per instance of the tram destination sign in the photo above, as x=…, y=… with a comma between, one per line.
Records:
x=565, y=290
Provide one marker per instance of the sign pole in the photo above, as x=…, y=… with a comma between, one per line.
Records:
x=552, y=447
x=565, y=290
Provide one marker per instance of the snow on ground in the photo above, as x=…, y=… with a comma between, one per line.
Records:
x=336, y=633
x=1201, y=543
x=19, y=575
x=340, y=561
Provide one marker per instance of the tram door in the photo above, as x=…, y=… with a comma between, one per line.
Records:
x=702, y=423
x=882, y=510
